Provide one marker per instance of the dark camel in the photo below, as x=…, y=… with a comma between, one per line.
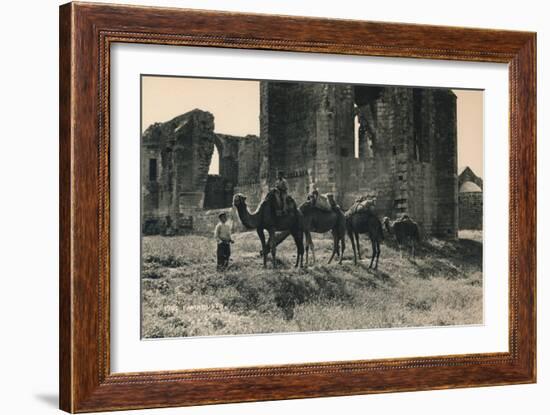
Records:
x=364, y=222
x=265, y=218
x=405, y=230
x=320, y=221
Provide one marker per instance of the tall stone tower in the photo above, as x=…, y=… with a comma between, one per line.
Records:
x=396, y=143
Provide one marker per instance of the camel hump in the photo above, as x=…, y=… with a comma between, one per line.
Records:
x=360, y=208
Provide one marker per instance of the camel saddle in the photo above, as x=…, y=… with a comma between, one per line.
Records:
x=324, y=202
x=362, y=205
x=290, y=203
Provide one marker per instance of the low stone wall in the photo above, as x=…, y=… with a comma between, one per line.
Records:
x=470, y=210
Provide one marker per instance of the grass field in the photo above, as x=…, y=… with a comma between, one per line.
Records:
x=184, y=295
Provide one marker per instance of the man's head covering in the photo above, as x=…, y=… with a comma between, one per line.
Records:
x=222, y=215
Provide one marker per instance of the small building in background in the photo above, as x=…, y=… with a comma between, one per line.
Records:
x=470, y=200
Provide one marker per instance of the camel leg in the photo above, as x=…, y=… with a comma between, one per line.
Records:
x=310, y=242
x=273, y=247
x=334, y=248
x=343, y=243
x=336, y=240
x=279, y=239
x=377, y=254
x=373, y=254
x=309, y=245
x=351, y=236
x=261, y=235
x=299, y=241
x=357, y=243
x=307, y=249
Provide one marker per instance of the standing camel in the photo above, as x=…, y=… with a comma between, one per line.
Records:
x=405, y=230
x=265, y=218
x=364, y=222
x=320, y=221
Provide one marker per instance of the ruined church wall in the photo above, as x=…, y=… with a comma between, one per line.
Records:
x=307, y=130
x=292, y=117
x=344, y=168
x=422, y=174
x=470, y=210
x=249, y=160
x=412, y=163
x=445, y=164
x=250, y=156
x=228, y=152
x=294, y=125
x=391, y=150
x=383, y=169
x=429, y=154
x=309, y=133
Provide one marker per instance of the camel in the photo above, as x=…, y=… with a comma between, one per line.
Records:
x=405, y=231
x=364, y=221
x=319, y=220
x=265, y=218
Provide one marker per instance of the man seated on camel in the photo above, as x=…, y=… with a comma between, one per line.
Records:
x=313, y=193
x=282, y=191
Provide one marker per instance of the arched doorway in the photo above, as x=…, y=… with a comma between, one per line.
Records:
x=222, y=173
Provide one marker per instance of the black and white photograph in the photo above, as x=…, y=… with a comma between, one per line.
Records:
x=277, y=206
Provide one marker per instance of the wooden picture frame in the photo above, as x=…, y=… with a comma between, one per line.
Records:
x=86, y=33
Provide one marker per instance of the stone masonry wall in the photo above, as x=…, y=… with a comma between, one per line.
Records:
x=176, y=156
x=470, y=210
x=289, y=124
x=407, y=155
x=445, y=163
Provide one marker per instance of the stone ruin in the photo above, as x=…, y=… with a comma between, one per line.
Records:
x=470, y=199
x=395, y=144
x=176, y=186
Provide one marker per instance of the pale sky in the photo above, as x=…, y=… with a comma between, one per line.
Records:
x=236, y=109
x=234, y=104
x=469, y=114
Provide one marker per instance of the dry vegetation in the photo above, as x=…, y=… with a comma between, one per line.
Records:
x=183, y=295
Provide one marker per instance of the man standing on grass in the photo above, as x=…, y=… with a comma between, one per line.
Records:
x=222, y=233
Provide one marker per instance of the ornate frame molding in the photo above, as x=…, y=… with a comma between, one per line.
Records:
x=86, y=34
